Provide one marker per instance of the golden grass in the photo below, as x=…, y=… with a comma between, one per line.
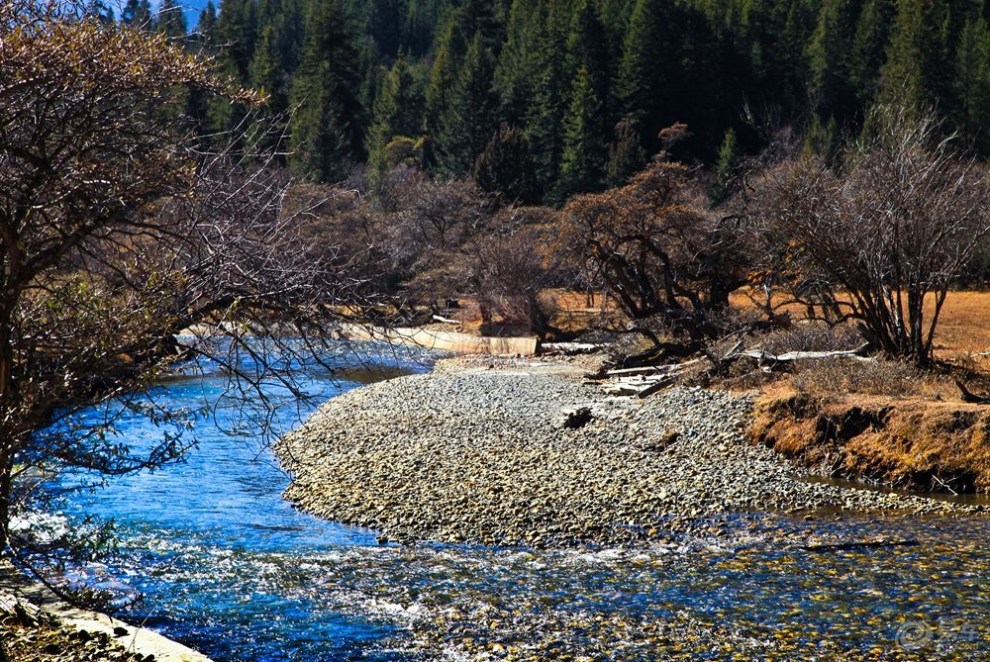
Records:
x=916, y=443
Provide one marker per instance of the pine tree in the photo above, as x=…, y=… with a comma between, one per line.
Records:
x=326, y=129
x=869, y=49
x=916, y=73
x=385, y=24
x=829, y=60
x=973, y=83
x=417, y=29
x=587, y=46
x=646, y=60
x=516, y=71
x=545, y=117
x=171, y=20
x=137, y=14
x=583, y=159
x=626, y=155
x=398, y=111
x=237, y=30
x=468, y=121
x=203, y=38
x=101, y=11
x=505, y=168
x=724, y=176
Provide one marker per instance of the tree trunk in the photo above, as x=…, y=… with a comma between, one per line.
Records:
x=6, y=489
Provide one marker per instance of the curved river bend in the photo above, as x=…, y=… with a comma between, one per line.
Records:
x=227, y=567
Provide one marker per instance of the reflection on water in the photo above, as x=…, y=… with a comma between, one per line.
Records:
x=228, y=567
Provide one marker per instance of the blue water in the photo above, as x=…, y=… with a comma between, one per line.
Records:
x=224, y=565
x=202, y=540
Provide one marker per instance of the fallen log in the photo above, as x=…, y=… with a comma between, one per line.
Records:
x=765, y=356
x=570, y=348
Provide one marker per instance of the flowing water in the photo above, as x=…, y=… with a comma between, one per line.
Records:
x=226, y=566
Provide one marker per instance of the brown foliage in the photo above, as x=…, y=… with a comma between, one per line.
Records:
x=117, y=231
x=657, y=250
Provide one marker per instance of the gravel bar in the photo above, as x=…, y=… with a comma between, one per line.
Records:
x=487, y=456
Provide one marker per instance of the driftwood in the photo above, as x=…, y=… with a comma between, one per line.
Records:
x=970, y=397
x=653, y=370
x=445, y=320
x=639, y=386
x=570, y=348
x=764, y=356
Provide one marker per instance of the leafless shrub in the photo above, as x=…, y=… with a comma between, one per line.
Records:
x=898, y=223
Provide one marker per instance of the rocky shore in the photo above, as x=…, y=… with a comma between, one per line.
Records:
x=523, y=453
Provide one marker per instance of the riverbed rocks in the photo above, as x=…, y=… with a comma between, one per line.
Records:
x=496, y=456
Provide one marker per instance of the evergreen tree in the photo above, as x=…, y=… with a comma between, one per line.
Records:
x=468, y=121
x=723, y=179
x=398, y=111
x=438, y=94
x=916, y=72
x=587, y=47
x=505, y=168
x=545, y=117
x=831, y=87
x=237, y=30
x=583, y=159
x=418, y=28
x=869, y=49
x=101, y=11
x=326, y=129
x=385, y=24
x=171, y=20
x=137, y=14
x=516, y=71
x=203, y=39
x=973, y=83
x=626, y=155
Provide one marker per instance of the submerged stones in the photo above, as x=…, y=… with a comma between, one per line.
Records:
x=518, y=458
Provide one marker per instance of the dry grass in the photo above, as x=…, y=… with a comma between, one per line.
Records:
x=916, y=443
x=964, y=323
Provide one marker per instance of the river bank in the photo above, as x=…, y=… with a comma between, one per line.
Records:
x=523, y=453
x=36, y=625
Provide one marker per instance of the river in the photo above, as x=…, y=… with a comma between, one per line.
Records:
x=224, y=565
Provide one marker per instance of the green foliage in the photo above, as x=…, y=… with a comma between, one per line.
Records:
x=326, y=129
x=973, y=83
x=584, y=142
x=171, y=19
x=398, y=111
x=506, y=169
x=723, y=180
x=467, y=120
x=626, y=156
x=746, y=65
x=916, y=71
x=137, y=13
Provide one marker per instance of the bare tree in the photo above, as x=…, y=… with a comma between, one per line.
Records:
x=659, y=251
x=887, y=234
x=116, y=233
x=503, y=264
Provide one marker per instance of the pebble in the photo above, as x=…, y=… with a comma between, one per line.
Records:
x=493, y=458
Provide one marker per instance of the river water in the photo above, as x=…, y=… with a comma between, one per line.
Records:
x=226, y=566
